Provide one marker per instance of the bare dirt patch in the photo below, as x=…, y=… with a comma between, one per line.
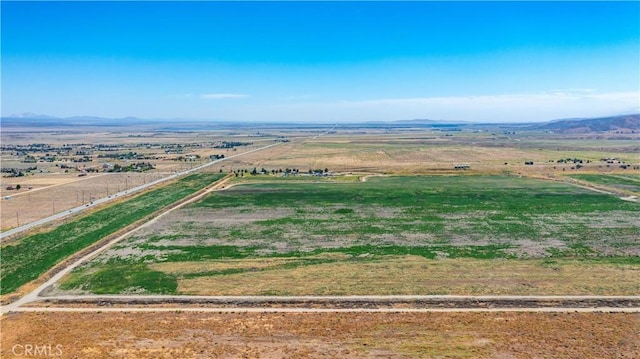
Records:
x=327, y=335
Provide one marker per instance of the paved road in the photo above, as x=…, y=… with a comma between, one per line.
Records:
x=121, y=193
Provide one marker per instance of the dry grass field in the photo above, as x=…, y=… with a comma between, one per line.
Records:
x=407, y=275
x=326, y=335
x=429, y=152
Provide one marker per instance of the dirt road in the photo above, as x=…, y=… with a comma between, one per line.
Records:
x=323, y=304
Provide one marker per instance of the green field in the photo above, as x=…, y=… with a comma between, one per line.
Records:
x=30, y=257
x=267, y=233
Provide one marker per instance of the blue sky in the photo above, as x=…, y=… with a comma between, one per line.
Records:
x=322, y=61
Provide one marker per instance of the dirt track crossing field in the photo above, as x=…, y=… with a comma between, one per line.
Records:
x=310, y=304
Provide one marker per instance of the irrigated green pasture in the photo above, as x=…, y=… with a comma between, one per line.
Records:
x=25, y=260
x=388, y=235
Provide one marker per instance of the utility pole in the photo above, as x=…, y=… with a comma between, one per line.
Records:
x=17, y=219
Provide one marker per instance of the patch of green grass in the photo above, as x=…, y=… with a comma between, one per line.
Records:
x=119, y=277
x=198, y=253
x=31, y=256
x=202, y=253
x=343, y=211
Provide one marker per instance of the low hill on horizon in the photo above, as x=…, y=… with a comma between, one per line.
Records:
x=600, y=124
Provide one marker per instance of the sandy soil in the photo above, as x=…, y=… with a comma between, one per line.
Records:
x=326, y=335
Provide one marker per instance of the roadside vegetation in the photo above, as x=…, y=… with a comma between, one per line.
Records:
x=388, y=235
x=30, y=257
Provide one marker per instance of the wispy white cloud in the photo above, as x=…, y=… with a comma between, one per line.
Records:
x=220, y=96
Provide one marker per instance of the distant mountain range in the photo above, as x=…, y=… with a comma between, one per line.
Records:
x=622, y=123
x=600, y=124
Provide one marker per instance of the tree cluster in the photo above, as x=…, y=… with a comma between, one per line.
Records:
x=134, y=167
x=284, y=172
